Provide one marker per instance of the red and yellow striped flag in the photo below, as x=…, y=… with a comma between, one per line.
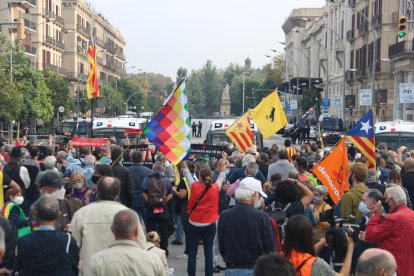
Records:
x=240, y=133
x=92, y=86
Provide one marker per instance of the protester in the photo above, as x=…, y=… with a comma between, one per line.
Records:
x=157, y=192
x=80, y=186
x=100, y=170
x=408, y=177
x=299, y=250
x=153, y=245
x=97, y=218
x=16, y=171
x=75, y=203
x=394, y=178
x=350, y=201
x=8, y=262
x=372, y=181
x=138, y=173
x=289, y=149
x=320, y=194
x=394, y=232
x=125, y=255
x=376, y=261
x=33, y=168
x=238, y=249
x=263, y=162
x=273, y=265
x=50, y=166
x=124, y=175
x=47, y=251
x=75, y=164
x=12, y=211
x=281, y=166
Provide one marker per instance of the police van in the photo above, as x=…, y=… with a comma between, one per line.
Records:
x=117, y=127
x=216, y=132
x=395, y=134
x=76, y=127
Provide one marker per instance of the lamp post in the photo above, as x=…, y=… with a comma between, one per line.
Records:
x=305, y=55
x=243, y=91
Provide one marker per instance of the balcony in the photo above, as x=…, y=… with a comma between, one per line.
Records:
x=111, y=48
x=349, y=75
x=350, y=35
x=401, y=48
x=49, y=14
x=82, y=50
x=60, y=20
x=82, y=29
x=55, y=68
x=29, y=25
x=376, y=20
x=351, y=3
x=363, y=28
x=360, y=72
x=29, y=50
x=54, y=42
x=28, y=4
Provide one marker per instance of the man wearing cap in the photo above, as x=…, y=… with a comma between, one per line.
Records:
x=52, y=183
x=350, y=200
x=16, y=171
x=254, y=236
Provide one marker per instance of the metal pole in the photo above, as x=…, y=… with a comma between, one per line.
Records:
x=78, y=102
x=243, y=93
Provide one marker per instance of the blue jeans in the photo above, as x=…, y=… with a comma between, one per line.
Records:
x=239, y=272
x=179, y=230
x=195, y=234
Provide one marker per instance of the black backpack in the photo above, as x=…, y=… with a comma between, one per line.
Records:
x=278, y=213
x=157, y=192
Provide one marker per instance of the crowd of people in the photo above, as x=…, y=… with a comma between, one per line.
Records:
x=111, y=211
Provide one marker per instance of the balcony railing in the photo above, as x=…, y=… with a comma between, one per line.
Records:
x=48, y=13
x=82, y=29
x=111, y=48
x=82, y=50
x=60, y=20
x=351, y=3
x=55, y=68
x=360, y=72
x=376, y=20
x=363, y=27
x=29, y=24
x=350, y=35
x=29, y=50
x=349, y=75
x=400, y=48
x=54, y=42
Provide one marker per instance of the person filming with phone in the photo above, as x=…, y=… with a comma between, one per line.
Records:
x=394, y=232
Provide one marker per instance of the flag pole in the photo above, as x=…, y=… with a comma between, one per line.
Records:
x=92, y=113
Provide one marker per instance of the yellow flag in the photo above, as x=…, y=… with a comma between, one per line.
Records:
x=240, y=133
x=269, y=115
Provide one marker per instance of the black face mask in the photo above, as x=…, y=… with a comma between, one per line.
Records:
x=95, y=179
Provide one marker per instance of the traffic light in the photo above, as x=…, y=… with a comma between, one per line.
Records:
x=402, y=26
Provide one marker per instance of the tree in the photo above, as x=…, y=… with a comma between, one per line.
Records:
x=274, y=71
x=211, y=87
x=113, y=100
x=310, y=98
x=181, y=73
x=59, y=91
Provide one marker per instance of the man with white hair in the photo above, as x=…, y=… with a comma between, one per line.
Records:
x=50, y=166
x=248, y=169
x=394, y=232
x=254, y=236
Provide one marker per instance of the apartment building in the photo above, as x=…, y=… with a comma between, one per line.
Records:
x=79, y=19
x=339, y=45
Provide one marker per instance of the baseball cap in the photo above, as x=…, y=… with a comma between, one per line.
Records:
x=251, y=183
x=51, y=179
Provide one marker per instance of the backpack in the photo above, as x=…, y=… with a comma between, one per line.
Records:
x=278, y=213
x=157, y=192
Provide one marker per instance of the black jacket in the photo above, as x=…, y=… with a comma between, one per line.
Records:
x=138, y=172
x=44, y=253
x=127, y=186
x=10, y=232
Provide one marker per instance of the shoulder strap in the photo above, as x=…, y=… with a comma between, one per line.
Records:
x=286, y=207
x=198, y=201
x=150, y=248
x=68, y=244
x=298, y=272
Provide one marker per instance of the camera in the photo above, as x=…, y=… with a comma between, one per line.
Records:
x=336, y=235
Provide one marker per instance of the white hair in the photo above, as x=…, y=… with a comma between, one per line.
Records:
x=2, y=242
x=61, y=154
x=90, y=160
x=248, y=158
x=243, y=194
x=322, y=189
x=397, y=194
x=50, y=162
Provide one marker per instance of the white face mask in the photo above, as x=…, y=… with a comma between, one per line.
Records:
x=78, y=185
x=18, y=200
x=60, y=194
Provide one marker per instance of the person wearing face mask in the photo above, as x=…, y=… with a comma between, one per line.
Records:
x=394, y=232
x=80, y=186
x=100, y=170
x=13, y=212
x=52, y=183
x=366, y=207
x=254, y=236
x=320, y=194
x=16, y=171
x=350, y=201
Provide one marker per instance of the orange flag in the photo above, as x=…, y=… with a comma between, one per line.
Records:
x=333, y=171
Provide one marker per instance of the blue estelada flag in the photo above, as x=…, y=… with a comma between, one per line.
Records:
x=362, y=135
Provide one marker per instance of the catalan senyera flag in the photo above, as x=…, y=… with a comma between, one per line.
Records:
x=333, y=171
x=169, y=131
x=92, y=85
x=269, y=115
x=241, y=133
x=362, y=135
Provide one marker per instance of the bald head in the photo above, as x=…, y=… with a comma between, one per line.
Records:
x=125, y=225
x=376, y=262
x=409, y=164
x=108, y=188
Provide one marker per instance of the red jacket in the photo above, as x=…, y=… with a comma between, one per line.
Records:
x=207, y=209
x=395, y=233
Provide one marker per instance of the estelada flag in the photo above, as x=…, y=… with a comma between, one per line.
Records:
x=362, y=135
x=269, y=115
x=240, y=133
x=333, y=171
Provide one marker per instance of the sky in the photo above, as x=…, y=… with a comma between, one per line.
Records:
x=163, y=35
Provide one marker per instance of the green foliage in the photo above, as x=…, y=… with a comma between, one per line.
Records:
x=11, y=98
x=113, y=100
x=181, y=73
x=59, y=90
x=310, y=98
